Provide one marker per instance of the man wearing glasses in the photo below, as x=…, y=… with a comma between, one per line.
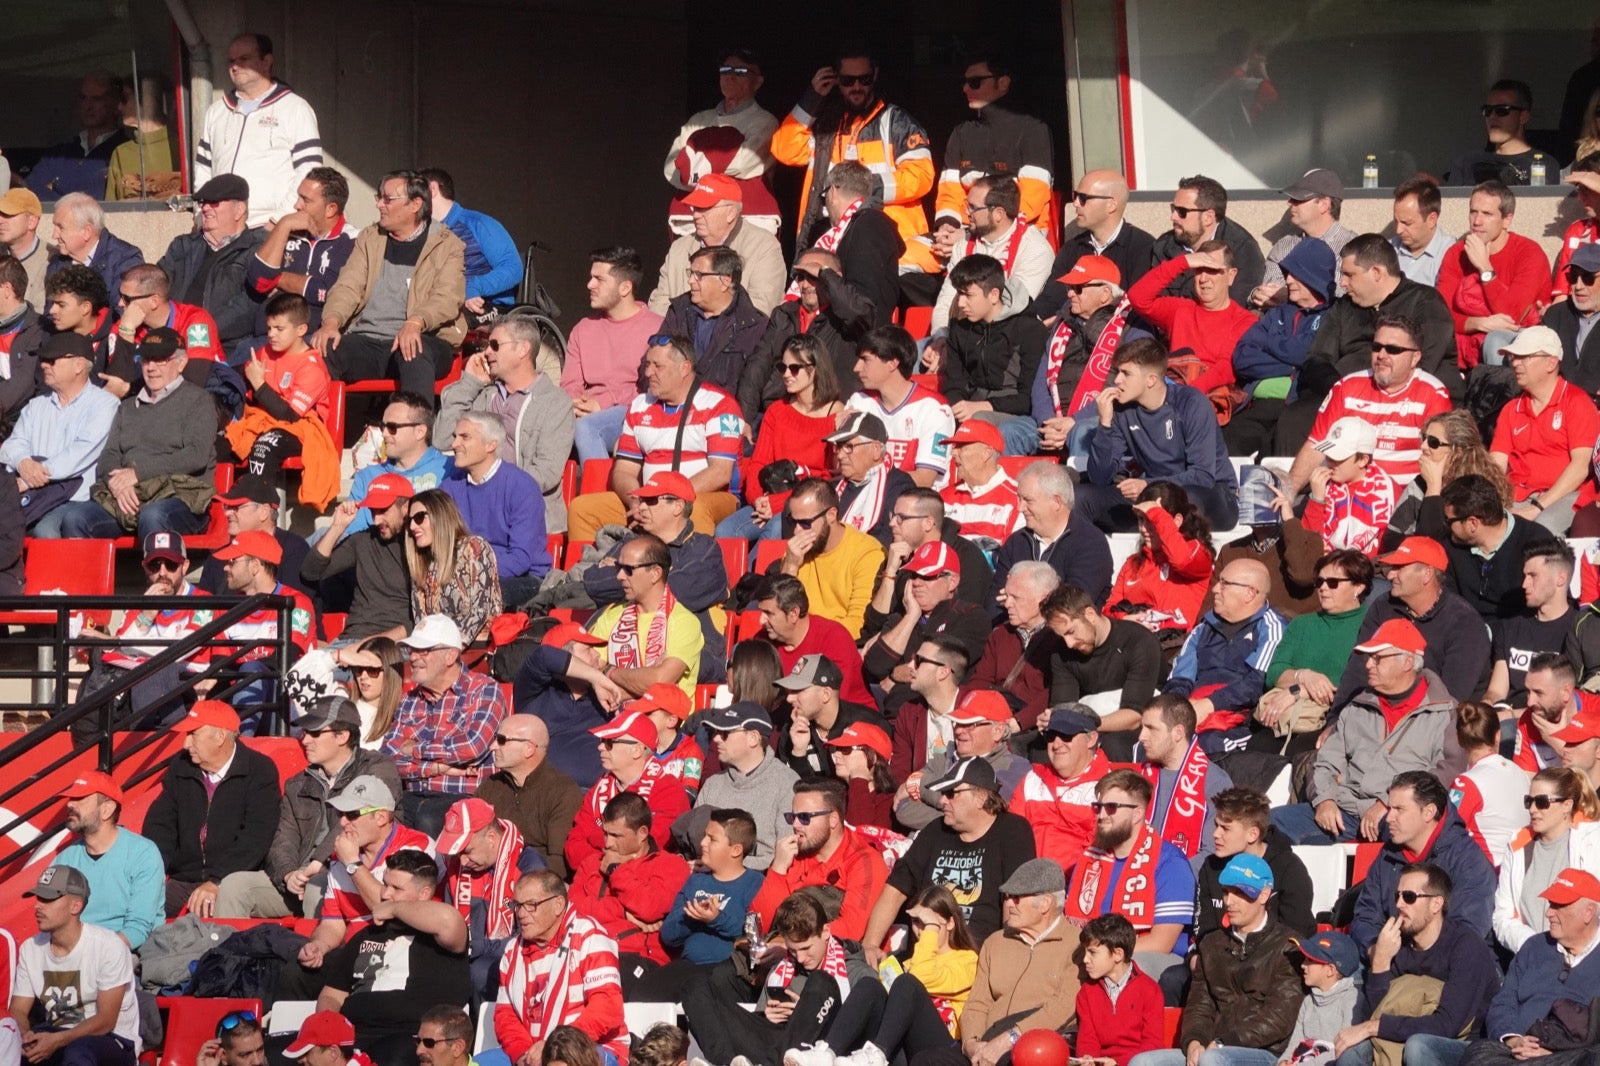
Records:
x=820, y=849
x=143, y=299
x=209, y=267
x=869, y=488
x=529, y=791
x=1314, y=203
x=1575, y=317
x=716, y=204
x=1584, y=177
x=627, y=755
x=734, y=138
x=1486, y=544
x=407, y=428
x=1100, y=204
x=835, y=562
x=722, y=323
x=995, y=140
x=1506, y=155
x=996, y=229
x=1200, y=214
x=835, y=312
x=981, y=724
x=928, y=606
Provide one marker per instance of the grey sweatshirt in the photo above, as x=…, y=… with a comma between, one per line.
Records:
x=1322, y=1015
x=765, y=792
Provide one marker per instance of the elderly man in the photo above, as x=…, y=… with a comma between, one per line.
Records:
x=788, y=623
x=716, y=203
x=528, y=791
x=1200, y=214
x=1419, y=242
x=650, y=637
x=830, y=311
x=122, y=868
x=1574, y=318
x=823, y=850
x=306, y=248
x=929, y=605
x=1183, y=777
x=994, y=205
x=917, y=420
x=381, y=601
x=1090, y=323
x=722, y=325
x=20, y=213
x=261, y=130
x=216, y=810
x=701, y=438
x=1052, y=533
x=53, y=450
x=981, y=499
x=627, y=757
x=981, y=725
x=868, y=243
x=1314, y=203
x=444, y=726
x=1056, y=795
x=493, y=264
x=1221, y=669
x=601, y=370
x=731, y=138
x=1100, y=204
x=916, y=519
x=1110, y=665
x=1492, y=278
x=252, y=506
x=819, y=714
x=1016, y=656
x=395, y=311
x=500, y=503
x=80, y=236
x=837, y=564
x=869, y=485
x=208, y=268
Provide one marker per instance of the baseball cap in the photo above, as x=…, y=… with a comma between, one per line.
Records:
x=1424, y=550
x=712, y=189
x=328, y=712
x=165, y=546
x=631, y=725
x=983, y=705
x=253, y=542
x=1397, y=633
x=325, y=1028
x=666, y=483
x=1582, y=727
x=1534, y=340
x=90, y=782
x=159, y=345
x=250, y=489
x=507, y=627
x=1316, y=182
x=1070, y=722
x=1348, y=436
x=932, y=559
x=434, y=631
x=564, y=633
x=58, y=881
x=61, y=345
x=977, y=431
x=1091, y=270
x=1586, y=258
x=860, y=424
x=863, y=735
x=1335, y=949
x=662, y=696
x=1248, y=873
x=20, y=201
x=812, y=670
x=742, y=715
x=208, y=712
x=364, y=793
x=223, y=187
x=464, y=818
x=1571, y=885
x=975, y=772
x=1035, y=877
x=384, y=490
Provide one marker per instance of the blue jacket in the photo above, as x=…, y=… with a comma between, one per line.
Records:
x=1081, y=555
x=1277, y=344
x=1462, y=960
x=540, y=688
x=1454, y=852
x=494, y=269
x=113, y=257
x=1537, y=979
x=1238, y=664
x=1179, y=442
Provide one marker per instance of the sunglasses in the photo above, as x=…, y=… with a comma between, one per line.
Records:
x=1542, y=802
x=367, y=671
x=631, y=568
x=805, y=276
x=851, y=80
x=502, y=739
x=496, y=345
x=805, y=523
x=418, y=518
x=1082, y=198
x=1051, y=736
x=1331, y=582
x=1434, y=442
x=232, y=1020
x=1392, y=349
x=129, y=297
x=1184, y=212
x=396, y=427
x=163, y=564
x=1409, y=897
x=975, y=81
x=742, y=72
x=803, y=817
x=923, y=660
x=430, y=1042
x=658, y=340
x=1107, y=807
x=1499, y=110
x=1576, y=276
x=612, y=742
x=795, y=368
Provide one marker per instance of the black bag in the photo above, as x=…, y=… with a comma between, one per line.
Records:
x=505, y=660
x=246, y=965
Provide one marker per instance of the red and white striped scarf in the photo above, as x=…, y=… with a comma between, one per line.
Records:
x=1099, y=366
x=828, y=242
x=1183, y=824
x=1013, y=246
x=1134, y=896
x=608, y=788
x=493, y=886
x=622, y=647
x=833, y=964
x=867, y=507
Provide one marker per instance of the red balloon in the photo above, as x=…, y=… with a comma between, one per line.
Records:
x=1040, y=1047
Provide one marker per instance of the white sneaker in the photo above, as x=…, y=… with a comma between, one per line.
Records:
x=818, y=1054
x=741, y=1060
x=698, y=1062
x=869, y=1055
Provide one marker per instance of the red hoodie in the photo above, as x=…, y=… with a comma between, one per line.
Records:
x=1211, y=335
x=644, y=887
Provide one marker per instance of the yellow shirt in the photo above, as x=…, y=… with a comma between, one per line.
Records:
x=839, y=583
x=684, y=638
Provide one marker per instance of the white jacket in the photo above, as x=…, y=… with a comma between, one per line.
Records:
x=1583, y=851
x=271, y=148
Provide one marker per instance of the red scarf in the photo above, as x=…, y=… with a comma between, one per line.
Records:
x=828, y=242
x=622, y=647
x=1013, y=246
x=493, y=886
x=833, y=964
x=1133, y=896
x=608, y=787
x=1098, y=368
x=1184, y=822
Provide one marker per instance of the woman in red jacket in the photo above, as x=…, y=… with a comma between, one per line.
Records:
x=1162, y=585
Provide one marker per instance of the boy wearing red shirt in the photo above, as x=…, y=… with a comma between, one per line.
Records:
x=1113, y=1030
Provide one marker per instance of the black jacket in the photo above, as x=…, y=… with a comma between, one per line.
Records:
x=869, y=257
x=1458, y=648
x=994, y=361
x=976, y=586
x=734, y=337
x=896, y=481
x=239, y=819
x=113, y=257
x=1497, y=592
x=224, y=294
x=25, y=382
x=1081, y=555
x=846, y=316
x=1291, y=894
x=1345, y=336
x=1580, y=368
x=1132, y=249
x=1247, y=257
x=1244, y=993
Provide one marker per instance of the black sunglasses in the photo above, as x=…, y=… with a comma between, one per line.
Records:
x=631, y=568
x=1097, y=806
x=1331, y=582
x=1434, y=442
x=431, y=1042
x=923, y=660
x=153, y=565
x=1499, y=110
x=975, y=81
x=1409, y=897
x=1575, y=275
x=849, y=80
x=805, y=523
x=1184, y=212
x=795, y=368
x=803, y=817
x=1081, y=198
x=1392, y=349
x=740, y=71
x=396, y=427
x=418, y=518
x=1542, y=802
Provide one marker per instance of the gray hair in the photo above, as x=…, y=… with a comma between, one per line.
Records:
x=524, y=329
x=493, y=432
x=1051, y=478
x=1058, y=900
x=1039, y=576
x=84, y=210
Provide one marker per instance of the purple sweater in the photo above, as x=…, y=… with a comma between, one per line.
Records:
x=507, y=511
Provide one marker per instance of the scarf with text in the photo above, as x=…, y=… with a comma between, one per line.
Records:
x=833, y=964
x=608, y=788
x=622, y=647
x=828, y=242
x=1183, y=822
x=867, y=507
x=1095, y=372
x=1133, y=896
x=493, y=886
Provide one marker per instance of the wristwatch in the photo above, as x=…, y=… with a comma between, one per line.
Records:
x=351, y=868
x=1486, y=276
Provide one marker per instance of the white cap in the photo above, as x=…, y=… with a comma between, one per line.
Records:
x=435, y=631
x=1349, y=436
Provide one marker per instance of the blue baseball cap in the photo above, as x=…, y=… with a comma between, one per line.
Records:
x=1335, y=949
x=1248, y=873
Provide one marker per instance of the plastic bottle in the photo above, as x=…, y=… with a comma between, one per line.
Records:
x=1369, y=173
x=1536, y=173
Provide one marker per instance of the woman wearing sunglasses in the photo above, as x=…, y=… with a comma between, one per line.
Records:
x=1563, y=830
x=452, y=572
x=375, y=669
x=861, y=760
x=1451, y=448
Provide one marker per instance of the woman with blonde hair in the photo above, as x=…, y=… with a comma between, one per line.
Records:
x=452, y=572
x=1563, y=831
x=1451, y=448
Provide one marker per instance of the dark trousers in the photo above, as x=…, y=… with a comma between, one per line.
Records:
x=645, y=981
x=909, y=1024
x=1105, y=506
x=362, y=358
x=725, y=1029
x=426, y=810
x=178, y=893
x=107, y=1050
x=1251, y=429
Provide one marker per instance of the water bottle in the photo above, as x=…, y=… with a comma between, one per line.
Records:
x=752, y=933
x=1369, y=173
x=1537, y=175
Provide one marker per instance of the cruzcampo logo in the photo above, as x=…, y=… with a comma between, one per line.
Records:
x=199, y=335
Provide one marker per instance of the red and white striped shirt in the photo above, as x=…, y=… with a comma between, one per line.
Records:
x=574, y=981
x=918, y=428
x=164, y=627
x=343, y=900
x=1398, y=416
x=987, y=513
x=261, y=625
x=650, y=430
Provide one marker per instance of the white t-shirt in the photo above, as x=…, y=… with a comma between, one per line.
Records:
x=918, y=429
x=68, y=987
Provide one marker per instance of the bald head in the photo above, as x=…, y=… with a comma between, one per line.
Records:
x=1105, y=183
x=1241, y=589
x=1099, y=200
x=521, y=744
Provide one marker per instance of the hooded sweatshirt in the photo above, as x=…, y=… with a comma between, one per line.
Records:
x=1322, y=1014
x=765, y=792
x=994, y=361
x=1269, y=355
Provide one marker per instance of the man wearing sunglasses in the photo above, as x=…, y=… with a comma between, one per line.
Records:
x=144, y=302
x=252, y=506
x=1506, y=155
x=995, y=140
x=1574, y=318
x=733, y=138
x=1200, y=214
x=820, y=849
x=627, y=756
x=1584, y=177
x=380, y=602
x=832, y=311
x=928, y=605
x=981, y=725
x=752, y=778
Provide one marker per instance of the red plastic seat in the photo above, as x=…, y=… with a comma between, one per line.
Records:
x=1171, y=1018
x=216, y=532
x=703, y=696
x=1052, y=219
x=335, y=423
x=747, y=626
x=554, y=544
x=573, y=552
x=769, y=552
x=735, y=557
x=1013, y=464
x=1366, y=854
x=333, y=624
x=390, y=385
x=569, y=481
x=191, y=1021
x=75, y=567
x=596, y=477
x=918, y=321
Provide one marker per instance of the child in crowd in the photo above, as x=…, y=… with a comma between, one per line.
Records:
x=667, y=708
x=1352, y=499
x=662, y=1045
x=708, y=915
x=1119, y=1006
x=1328, y=963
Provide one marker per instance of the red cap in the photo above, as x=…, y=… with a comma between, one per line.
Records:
x=1417, y=550
x=932, y=559
x=663, y=697
x=1582, y=727
x=1090, y=269
x=464, y=818
x=1396, y=633
x=208, y=712
x=256, y=542
x=630, y=726
x=977, y=431
x=325, y=1028
x=712, y=189
x=982, y=705
x=1571, y=885
x=666, y=483
x=863, y=735
x=507, y=627
x=384, y=490
x=565, y=633
x=90, y=782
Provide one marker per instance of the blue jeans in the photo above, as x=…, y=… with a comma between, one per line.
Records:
x=1298, y=822
x=89, y=520
x=1420, y=1050
x=1020, y=432
x=1493, y=341
x=743, y=525
x=1217, y=1056
x=596, y=435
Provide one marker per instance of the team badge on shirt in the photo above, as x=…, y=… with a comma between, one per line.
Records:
x=199, y=335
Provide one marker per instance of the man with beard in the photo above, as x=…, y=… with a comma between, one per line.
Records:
x=823, y=850
x=381, y=605
x=123, y=869
x=836, y=563
x=601, y=369
x=627, y=754
x=1184, y=778
x=1200, y=214
x=1110, y=665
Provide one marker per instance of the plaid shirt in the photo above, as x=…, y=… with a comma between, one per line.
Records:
x=456, y=729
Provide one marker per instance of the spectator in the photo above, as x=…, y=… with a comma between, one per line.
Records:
x=1352, y=498
x=81, y=237
x=22, y=334
x=209, y=268
x=1485, y=546
x=1208, y=325
x=981, y=498
x=995, y=140
x=708, y=916
x=1056, y=797
x=991, y=354
x=821, y=849
x=1584, y=177
x=1162, y=584
x=1579, y=752
x=493, y=265
x=563, y=681
x=381, y=604
x=869, y=485
x=1544, y=627
x=732, y=138
x=1561, y=811
x=1200, y=214
x=288, y=408
x=449, y=1031
x=251, y=562
x=1112, y=1030
x=1314, y=203
x=601, y=368
x=1492, y=278
x=500, y=503
x=1507, y=157
x=1016, y=657
x=867, y=242
x=1091, y=325
x=306, y=248
x=1451, y=448
x=1396, y=724
x=836, y=564
x=1573, y=318
x=923, y=729
x=145, y=166
x=716, y=203
x=1243, y=826
x=122, y=870
x=1054, y=533
x=20, y=213
x=505, y=384
x=144, y=300
x=219, y=791
x=79, y=165
x=396, y=309
x=1554, y=703
x=651, y=636
x=820, y=714
x=862, y=756
x=627, y=744
x=528, y=791
x=376, y=664
x=996, y=231
x=80, y=976
x=1100, y=204
x=1330, y=966
x=917, y=421
x=752, y=778
x=295, y=878
x=407, y=429
x=261, y=130
x=76, y=302
x=453, y=572
x=788, y=623
x=704, y=451
x=980, y=724
x=1109, y=665
x=330, y=1033
x=668, y=710
x=722, y=325
x=928, y=606
x=1485, y=794
x=1182, y=777
x=1419, y=243
x=1549, y=467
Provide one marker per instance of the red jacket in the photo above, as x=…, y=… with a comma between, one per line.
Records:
x=644, y=887
x=1032, y=684
x=1211, y=335
x=1521, y=283
x=1171, y=581
x=661, y=790
x=854, y=866
x=1120, y=1031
